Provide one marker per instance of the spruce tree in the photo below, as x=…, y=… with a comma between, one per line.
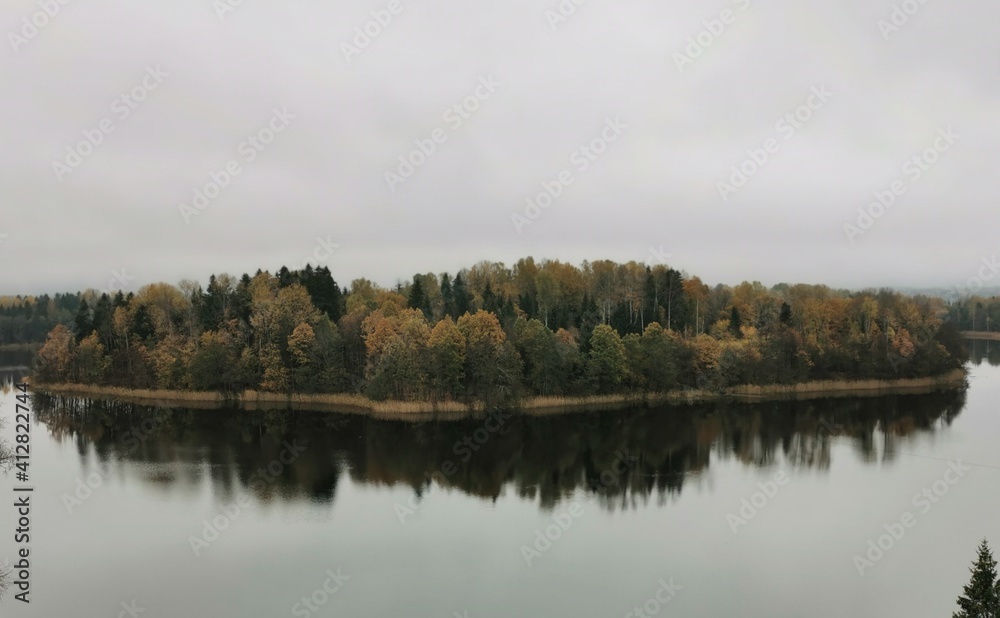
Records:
x=736, y=323
x=980, y=598
x=463, y=300
x=84, y=324
x=417, y=299
x=786, y=313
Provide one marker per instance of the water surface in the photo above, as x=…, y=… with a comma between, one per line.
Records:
x=427, y=519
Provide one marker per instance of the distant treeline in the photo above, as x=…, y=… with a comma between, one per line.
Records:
x=494, y=333
x=28, y=319
x=976, y=313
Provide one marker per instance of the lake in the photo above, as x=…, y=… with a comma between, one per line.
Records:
x=774, y=509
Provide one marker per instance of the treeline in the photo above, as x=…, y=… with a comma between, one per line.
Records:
x=494, y=333
x=976, y=313
x=28, y=319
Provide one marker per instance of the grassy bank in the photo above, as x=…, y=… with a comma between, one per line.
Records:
x=969, y=334
x=253, y=400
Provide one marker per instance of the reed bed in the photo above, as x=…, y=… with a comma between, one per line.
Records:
x=358, y=404
x=968, y=334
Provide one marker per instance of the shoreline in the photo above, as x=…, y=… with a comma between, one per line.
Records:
x=423, y=410
x=981, y=335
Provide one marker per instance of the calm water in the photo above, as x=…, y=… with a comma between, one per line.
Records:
x=433, y=518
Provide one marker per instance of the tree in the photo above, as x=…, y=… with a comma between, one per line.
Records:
x=90, y=364
x=542, y=369
x=418, y=298
x=491, y=369
x=606, y=367
x=446, y=349
x=396, y=342
x=300, y=346
x=980, y=596
x=215, y=365
x=786, y=314
x=661, y=351
x=463, y=299
x=54, y=361
x=735, y=323
x=102, y=319
x=547, y=292
x=447, y=298
x=83, y=322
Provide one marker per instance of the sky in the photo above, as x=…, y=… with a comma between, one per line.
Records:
x=849, y=143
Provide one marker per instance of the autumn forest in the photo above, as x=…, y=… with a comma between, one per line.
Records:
x=490, y=333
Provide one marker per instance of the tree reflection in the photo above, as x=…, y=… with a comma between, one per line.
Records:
x=623, y=458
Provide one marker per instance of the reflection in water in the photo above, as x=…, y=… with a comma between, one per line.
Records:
x=623, y=458
x=984, y=350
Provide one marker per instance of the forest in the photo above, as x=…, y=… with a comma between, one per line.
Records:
x=492, y=333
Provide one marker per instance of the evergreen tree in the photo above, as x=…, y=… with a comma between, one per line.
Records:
x=241, y=299
x=735, y=323
x=417, y=298
x=142, y=324
x=83, y=322
x=102, y=319
x=980, y=598
x=447, y=298
x=285, y=277
x=324, y=291
x=463, y=300
x=786, y=314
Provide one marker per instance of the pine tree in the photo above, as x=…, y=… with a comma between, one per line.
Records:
x=980, y=598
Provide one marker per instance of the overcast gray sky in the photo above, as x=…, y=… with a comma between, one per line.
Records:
x=693, y=89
